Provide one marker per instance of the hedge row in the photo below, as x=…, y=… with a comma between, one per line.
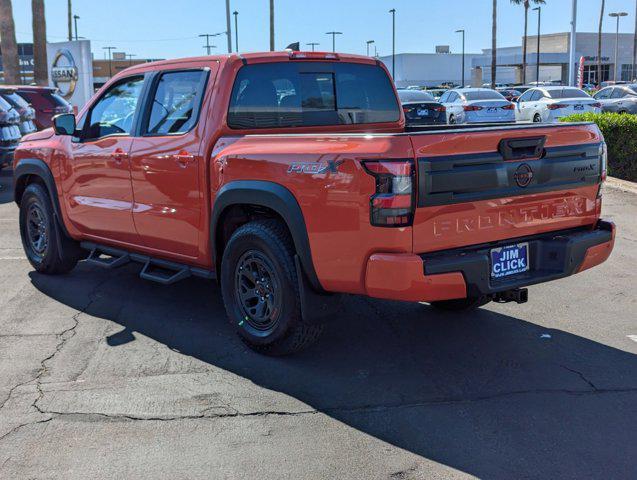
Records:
x=620, y=132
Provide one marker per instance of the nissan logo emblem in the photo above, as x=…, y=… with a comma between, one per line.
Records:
x=64, y=73
x=523, y=175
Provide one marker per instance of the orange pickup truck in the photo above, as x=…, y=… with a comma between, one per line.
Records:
x=290, y=178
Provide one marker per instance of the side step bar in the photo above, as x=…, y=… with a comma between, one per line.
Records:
x=154, y=269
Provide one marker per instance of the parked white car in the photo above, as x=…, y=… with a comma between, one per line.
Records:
x=549, y=104
x=477, y=105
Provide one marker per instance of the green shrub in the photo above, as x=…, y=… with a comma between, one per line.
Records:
x=620, y=133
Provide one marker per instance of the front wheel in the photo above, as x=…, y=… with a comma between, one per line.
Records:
x=537, y=118
x=47, y=248
x=261, y=292
x=452, y=120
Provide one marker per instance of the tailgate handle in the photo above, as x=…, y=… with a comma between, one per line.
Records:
x=521, y=148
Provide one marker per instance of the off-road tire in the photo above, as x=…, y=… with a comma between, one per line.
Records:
x=266, y=243
x=461, y=304
x=56, y=253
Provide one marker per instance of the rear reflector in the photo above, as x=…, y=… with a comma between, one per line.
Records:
x=392, y=204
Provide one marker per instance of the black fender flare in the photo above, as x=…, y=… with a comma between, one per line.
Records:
x=275, y=197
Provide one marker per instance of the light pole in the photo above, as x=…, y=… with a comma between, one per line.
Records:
x=130, y=58
x=462, y=31
x=393, y=42
x=333, y=34
x=572, y=43
x=312, y=44
x=228, y=30
x=537, y=53
x=110, y=60
x=616, y=15
x=369, y=42
x=207, y=36
x=236, y=31
x=75, y=19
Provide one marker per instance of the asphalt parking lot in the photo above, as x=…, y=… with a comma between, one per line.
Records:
x=104, y=375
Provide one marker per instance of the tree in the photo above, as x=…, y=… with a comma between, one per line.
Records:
x=40, y=74
x=8, y=44
x=526, y=4
x=599, y=45
x=494, y=31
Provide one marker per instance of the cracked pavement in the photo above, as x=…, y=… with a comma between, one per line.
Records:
x=104, y=375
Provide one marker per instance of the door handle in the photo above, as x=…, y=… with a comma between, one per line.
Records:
x=183, y=158
x=118, y=155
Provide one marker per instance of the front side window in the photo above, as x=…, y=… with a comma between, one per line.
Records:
x=113, y=113
x=176, y=102
x=299, y=94
x=536, y=95
x=603, y=94
x=619, y=93
x=526, y=96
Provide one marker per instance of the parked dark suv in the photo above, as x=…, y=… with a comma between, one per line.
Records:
x=9, y=132
x=46, y=102
x=26, y=111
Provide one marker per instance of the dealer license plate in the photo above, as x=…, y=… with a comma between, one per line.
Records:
x=509, y=260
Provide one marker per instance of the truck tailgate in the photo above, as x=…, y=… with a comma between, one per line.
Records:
x=504, y=183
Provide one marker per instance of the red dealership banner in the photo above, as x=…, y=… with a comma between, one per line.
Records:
x=580, y=73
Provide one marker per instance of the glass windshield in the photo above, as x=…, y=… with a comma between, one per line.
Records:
x=483, y=95
x=296, y=94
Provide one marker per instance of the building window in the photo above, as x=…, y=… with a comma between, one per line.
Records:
x=590, y=73
x=627, y=72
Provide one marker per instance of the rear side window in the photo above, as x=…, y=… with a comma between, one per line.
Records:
x=298, y=94
x=176, y=102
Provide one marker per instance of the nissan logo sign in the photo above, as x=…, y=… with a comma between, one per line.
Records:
x=523, y=175
x=64, y=73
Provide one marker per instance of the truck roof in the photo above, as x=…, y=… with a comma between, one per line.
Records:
x=257, y=57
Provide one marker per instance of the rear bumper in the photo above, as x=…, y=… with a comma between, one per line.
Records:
x=466, y=272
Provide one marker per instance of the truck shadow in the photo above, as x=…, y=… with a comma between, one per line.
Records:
x=6, y=185
x=485, y=393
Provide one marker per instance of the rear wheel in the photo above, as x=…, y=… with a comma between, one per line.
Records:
x=46, y=246
x=452, y=120
x=461, y=304
x=260, y=289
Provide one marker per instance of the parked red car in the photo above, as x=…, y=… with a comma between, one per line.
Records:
x=290, y=177
x=46, y=102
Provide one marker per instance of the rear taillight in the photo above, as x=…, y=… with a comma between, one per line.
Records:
x=407, y=109
x=471, y=108
x=555, y=106
x=392, y=204
x=603, y=153
x=596, y=105
x=510, y=106
x=441, y=108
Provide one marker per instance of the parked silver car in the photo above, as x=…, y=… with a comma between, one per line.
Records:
x=477, y=105
x=618, y=99
x=548, y=104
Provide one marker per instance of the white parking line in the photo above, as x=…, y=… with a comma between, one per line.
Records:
x=13, y=258
x=632, y=337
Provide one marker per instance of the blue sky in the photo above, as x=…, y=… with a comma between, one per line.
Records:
x=169, y=28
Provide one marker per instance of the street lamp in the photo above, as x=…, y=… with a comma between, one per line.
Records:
x=110, y=60
x=616, y=15
x=75, y=19
x=333, y=34
x=537, y=53
x=393, y=42
x=462, y=31
x=369, y=42
x=312, y=44
x=236, y=31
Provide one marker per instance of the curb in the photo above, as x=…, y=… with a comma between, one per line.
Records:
x=620, y=184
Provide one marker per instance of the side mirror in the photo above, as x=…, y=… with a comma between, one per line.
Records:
x=64, y=124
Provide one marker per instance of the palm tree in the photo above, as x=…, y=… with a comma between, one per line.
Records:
x=526, y=4
x=599, y=45
x=40, y=75
x=494, y=31
x=8, y=44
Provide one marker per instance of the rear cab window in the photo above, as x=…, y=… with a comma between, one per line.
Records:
x=302, y=94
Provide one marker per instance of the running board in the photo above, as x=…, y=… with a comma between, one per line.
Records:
x=154, y=269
